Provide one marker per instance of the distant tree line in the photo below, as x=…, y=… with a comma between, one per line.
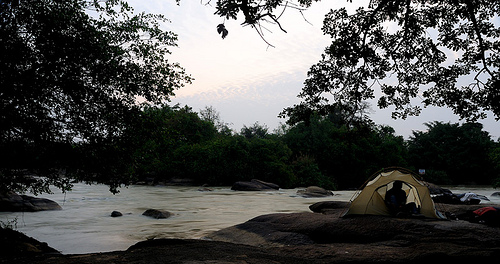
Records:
x=172, y=142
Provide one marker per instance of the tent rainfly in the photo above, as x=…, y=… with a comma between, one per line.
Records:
x=370, y=200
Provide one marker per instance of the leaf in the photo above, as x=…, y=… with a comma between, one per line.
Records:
x=222, y=29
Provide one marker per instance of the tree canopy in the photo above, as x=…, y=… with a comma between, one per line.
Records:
x=454, y=153
x=72, y=71
x=405, y=54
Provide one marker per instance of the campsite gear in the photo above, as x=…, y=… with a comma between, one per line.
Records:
x=370, y=198
x=488, y=215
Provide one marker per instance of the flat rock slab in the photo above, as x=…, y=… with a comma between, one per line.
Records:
x=366, y=238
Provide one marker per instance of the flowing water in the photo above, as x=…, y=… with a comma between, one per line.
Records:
x=85, y=225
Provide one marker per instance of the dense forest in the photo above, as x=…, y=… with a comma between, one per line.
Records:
x=175, y=142
x=161, y=144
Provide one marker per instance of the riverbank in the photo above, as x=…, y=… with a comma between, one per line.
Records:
x=306, y=237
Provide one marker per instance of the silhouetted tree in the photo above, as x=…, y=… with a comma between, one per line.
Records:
x=441, y=52
x=71, y=72
x=255, y=131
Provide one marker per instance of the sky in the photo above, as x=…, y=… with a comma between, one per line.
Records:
x=245, y=79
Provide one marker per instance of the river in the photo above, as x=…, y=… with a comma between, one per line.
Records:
x=85, y=225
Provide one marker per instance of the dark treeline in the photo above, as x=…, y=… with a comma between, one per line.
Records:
x=160, y=144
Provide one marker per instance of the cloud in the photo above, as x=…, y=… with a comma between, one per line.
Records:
x=247, y=81
x=227, y=67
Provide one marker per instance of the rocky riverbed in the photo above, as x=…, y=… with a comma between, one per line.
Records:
x=301, y=238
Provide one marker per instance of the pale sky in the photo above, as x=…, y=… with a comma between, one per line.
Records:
x=245, y=80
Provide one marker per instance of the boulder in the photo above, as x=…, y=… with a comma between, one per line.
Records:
x=158, y=214
x=14, y=244
x=205, y=188
x=495, y=194
x=13, y=202
x=116, y=214
x=328, y=207
x=314, y=191
x=254, y=185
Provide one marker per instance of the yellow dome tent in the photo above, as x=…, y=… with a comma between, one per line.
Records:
x=370, y=198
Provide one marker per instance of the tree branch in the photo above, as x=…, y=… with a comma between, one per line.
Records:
x=472, y=17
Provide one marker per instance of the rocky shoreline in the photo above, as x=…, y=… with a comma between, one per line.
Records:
x=322, y=237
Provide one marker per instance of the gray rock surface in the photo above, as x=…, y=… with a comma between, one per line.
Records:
x=254, y=185
x=158, y=214
x=13, y=202
x=314, y=191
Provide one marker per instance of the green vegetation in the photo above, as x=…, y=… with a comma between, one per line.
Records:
x=174, y=142
x=454, y=154
x=164, y=143
x=70, y=73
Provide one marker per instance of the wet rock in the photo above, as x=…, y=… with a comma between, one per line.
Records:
x=116, y=214
x=146, y=181
x=314, y=191
x=254, y=185
x=327, y=207
x=180, y=182
x=12, y=202
x=158, y=214
x=495, y=194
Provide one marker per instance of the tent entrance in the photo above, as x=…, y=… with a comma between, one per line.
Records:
x=412, y=195
x=411, y=192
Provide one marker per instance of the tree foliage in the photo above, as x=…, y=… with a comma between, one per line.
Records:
x=210, y=114
x=495, y=159
x=403, y=53
x=173, y=142
x=345, y=156
x=153, y=137
x=255, y=131
x=166, y=143
x=256, y=12
x=72, y=71
x=453, y=153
